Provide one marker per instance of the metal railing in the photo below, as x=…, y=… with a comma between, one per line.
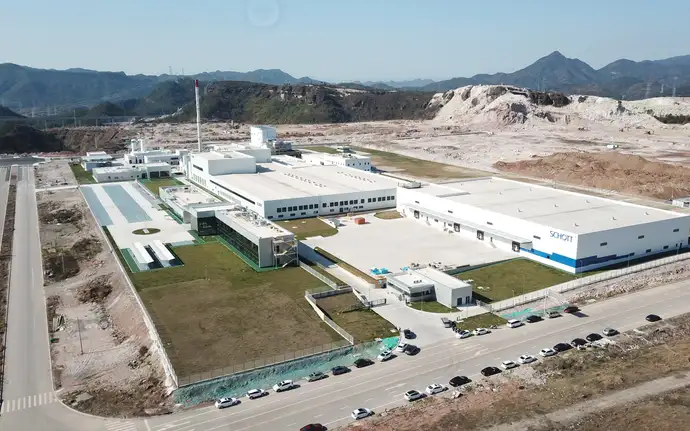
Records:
x=327, y=281
x=343, y=333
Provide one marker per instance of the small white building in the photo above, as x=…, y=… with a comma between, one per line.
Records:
x=681, y=202
x=260, y=135
x=349, y=160
x=95, y=159
x=424, y=284
x=131, y=172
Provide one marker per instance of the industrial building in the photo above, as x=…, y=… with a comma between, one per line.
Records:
x=132, y=172
x=349, y=160
x=182, y=199
x=429, y=284
x=96, y=159
x=566, y=230
x=288, y=187
x=139, y=154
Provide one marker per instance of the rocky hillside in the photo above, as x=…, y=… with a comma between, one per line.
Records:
x=8, y=113
x=20, y=138
x=284, y=104
x=83, y=139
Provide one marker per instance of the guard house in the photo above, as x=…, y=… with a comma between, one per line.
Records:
x=428, y=284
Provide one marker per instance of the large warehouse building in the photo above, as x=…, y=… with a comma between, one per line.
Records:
x=570, y=231
x=289, y=188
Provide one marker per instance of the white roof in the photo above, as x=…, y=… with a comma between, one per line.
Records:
x=252, y=222
x=278, y=181
x=568, y=211
x=440, y=278
x=213, y=155
x=187, y=195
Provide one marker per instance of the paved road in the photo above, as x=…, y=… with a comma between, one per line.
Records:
x=381, y=386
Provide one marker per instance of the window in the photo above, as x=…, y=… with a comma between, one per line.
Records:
x=301, y=207
x=284, y=209
x=361, y=201
x=324, y=205
x=368, y=200
x=640, y=237
x=292, y=214
x=270, y=217
x=279, y=210
x=280, y=216
x=676, y=230
x=302, y=213
x=536, y=237
x=665, y=247
x=311, y=206
x=603, y=244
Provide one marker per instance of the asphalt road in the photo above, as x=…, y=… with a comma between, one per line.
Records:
x=381, y=386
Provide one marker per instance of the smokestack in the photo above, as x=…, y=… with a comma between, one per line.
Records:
x=141, y=145
x=198, y=114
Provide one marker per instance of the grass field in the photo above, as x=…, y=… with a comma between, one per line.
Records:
x=323, y=149
x=215, y=311
x=515, y=277
x=81, y=175
x=364, y=325
x=431, y=307
x=155, y=185
x=418, y=168
x=307, y=227
x=481, y=321
x=388, y=215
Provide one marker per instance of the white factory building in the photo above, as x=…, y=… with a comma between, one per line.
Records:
x=570, y=231
x=140, y=155
x=424, y=284
x=289, y=188
x=96, y=159
x=131, y=172
x=349, y=160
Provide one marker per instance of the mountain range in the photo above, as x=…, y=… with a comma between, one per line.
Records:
x=30, y=91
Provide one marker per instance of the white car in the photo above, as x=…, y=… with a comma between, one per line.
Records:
x=514, y=323
x=463, y=334
x=401, y=347
x=481, y=331
x=507, y=365
x=256, y=393
x=526, y=359
x=385, y=355
x=284, y=385
x=226, y=402
x=413, y=395
x=547, y=352
x=434, y=388
x=361, y=413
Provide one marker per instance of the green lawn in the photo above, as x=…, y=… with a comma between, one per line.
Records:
x=512, y=278
x=81, y=175
x=431, y=307
x=418, y=168
x=481, y=321
x=216, y=312
x=322, y=149
x=154, y=185
x=307, y=227
x=364, y=325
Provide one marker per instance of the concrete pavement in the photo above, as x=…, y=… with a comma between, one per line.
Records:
x=381, y=386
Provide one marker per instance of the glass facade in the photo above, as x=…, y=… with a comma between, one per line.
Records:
x=207, y=226
x=235, y=239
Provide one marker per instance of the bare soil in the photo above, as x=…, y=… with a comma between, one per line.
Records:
x=98, y=329
x=5, y=261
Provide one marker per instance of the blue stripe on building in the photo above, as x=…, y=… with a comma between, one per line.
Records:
x=577, y=263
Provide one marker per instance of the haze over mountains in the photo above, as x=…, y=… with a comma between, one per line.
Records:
x=45, y=91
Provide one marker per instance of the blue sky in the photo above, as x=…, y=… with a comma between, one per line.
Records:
x=337, y=40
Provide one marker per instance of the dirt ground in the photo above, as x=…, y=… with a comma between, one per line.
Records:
x=662, y=350
x=363, y=324
x=100, y=343
x=58, y=175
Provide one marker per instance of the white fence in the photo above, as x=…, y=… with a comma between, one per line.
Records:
x=343, y=333
x=580, y=282
x=330, y=283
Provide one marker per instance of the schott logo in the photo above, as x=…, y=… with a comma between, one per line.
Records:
x=561, y=236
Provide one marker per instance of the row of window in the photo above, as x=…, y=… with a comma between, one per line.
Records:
x=604, y=244
x=333, y=204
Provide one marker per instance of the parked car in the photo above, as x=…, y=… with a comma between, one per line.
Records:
x=533, y=318
x=507, y=365
x=313, y=427
x=363, y=362
x=401, y=347
x=284, y=385
x=562, y=347
x=609, y=332
x=526, y=359
x=578, y=342
x=317, y=375
x=459, y=381
x=552, y=314
x=514, y=323
x=481, y=331
x=652, y=318
x=413, y=395
x=256, y=393
x=490, y=371
x=340, y=369
x=385, y=355
x=463, y=334
x=361, y=413
x=411, y=350
x=226, y=402
x=593, y=337
x=571, y=309
x=434, y=388
x=547, y=352
x=408, y=334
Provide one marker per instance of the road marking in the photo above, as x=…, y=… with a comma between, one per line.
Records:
x=27, y=402
x=400, y=385
x=367, y=400
x=120, y=426
x=318, y=416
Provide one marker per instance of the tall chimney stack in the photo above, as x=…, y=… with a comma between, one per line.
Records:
x=198, y=114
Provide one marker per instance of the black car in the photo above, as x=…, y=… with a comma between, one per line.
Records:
x=459, y=381
x=408, y=334
x=652, y=318
x=533, y=319
x=571, y=309
x=490, y=371
x=593, y=337
x=313, y=427
x=363, y=362
x=562, y=347
x=578, y=342
x=411, y=350
x=340, y=369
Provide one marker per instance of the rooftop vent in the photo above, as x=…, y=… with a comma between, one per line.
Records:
x=555, y=205
x=613, y=218
x=575, y=225
x=646, y=213
x=519, y=210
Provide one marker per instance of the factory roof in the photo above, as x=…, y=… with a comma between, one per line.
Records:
x=277, y=180
x=576, y=213
x=252, y=222
x=188, y=195
x=214, y=155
